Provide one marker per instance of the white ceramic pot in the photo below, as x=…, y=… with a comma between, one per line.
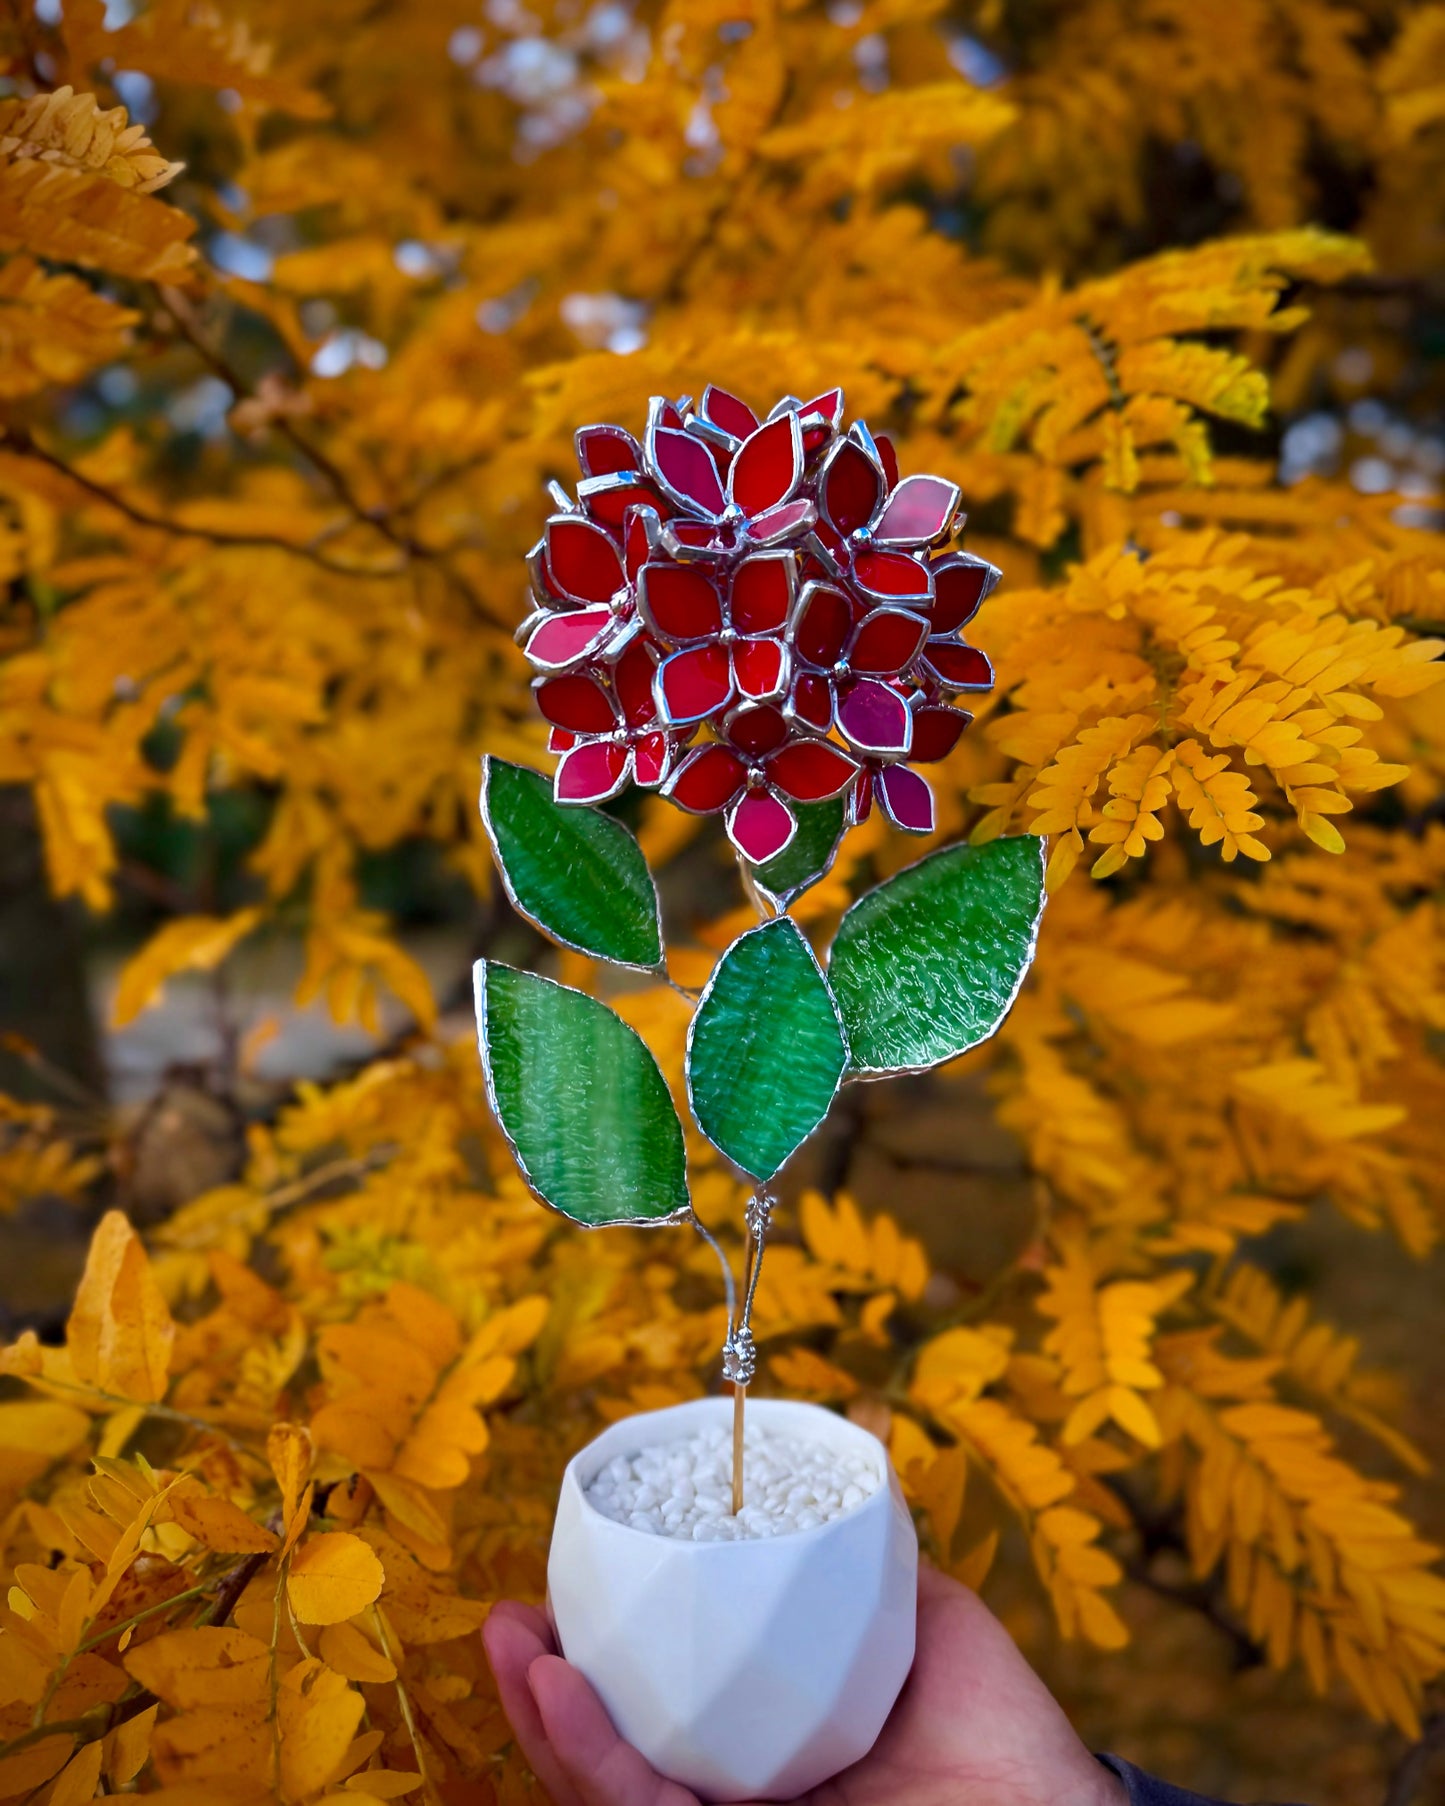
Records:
x=745, y=1670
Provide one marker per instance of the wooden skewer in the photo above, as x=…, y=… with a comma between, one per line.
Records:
x=739, y=1394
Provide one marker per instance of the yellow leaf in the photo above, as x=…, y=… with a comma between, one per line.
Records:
x=218, y=1523
x=120, y=1332
x=352, y=1654
x=332, y=1577
x=384, y=1783
x=317, y=1714
x=80, y=1776
x=289, y=1450
x=205, y=1666
x=128, y=1747
x=189, y=944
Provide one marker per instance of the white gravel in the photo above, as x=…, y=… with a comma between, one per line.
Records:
x=684, y=1489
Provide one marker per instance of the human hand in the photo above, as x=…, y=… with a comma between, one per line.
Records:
x=973, y=1726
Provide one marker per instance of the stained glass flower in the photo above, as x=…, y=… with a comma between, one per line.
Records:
x=771, y=585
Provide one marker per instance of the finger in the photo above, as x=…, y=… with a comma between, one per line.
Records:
x=604, y=1770
x=514, y=1637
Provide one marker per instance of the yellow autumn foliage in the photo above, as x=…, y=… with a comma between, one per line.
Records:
x=299, y=308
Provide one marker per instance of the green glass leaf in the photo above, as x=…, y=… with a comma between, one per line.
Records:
x=574, y=873
x=806, y=857
x=928, y=964
x=765, y=1052
x=581, y=1100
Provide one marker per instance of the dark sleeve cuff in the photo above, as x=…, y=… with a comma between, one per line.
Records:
x=1147, y=1790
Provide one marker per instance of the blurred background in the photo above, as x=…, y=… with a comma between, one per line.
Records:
x=298, y=308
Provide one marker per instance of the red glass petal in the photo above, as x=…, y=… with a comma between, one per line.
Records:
x=559, y=740
x=651, y=759
x=707, y=780
x=960, y=583
x=632, y=680
x=830, y=406
x=603, y=449
x=907, y=801
x=543, y=587
x=958, y=667
x=810, y=771
x=582, y=559
x=693, y=542
x=936, y=731
x=665, y=413
x=762, y=592
x=886, y=642
x=891, y=575
x=919, y=511
x=694, y=684
x=821, y=625
x=757, y=730
x=760, y=668
x=768, y=467
x=875, y=719
x=639, y=539
x=679, y=602
x=726, y=411
x=781, y=523
x=563, y=639
x=590, y=773
x=860, y=799
x=608, y=498
x=576, y=702
x=761, y=826
x=888, y=458
x=851, y=488
x=811, y=702
x=685, y=468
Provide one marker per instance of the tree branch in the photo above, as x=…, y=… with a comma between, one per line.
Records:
x=1410, y=1769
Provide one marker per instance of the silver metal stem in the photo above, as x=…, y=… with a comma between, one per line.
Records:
x=722, y=1260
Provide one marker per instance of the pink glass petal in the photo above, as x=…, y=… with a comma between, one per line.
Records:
x=960, y=583
x=919, y=511
x=726, y=411
x=632, y=681
x=591, y=773
x=762, y=592
x=875, y=719
x=707, y=780
x=907, y=801
x=810, y=771
x=761, y=826
x=757, y=730
x=577, y=703
x=760, y=668
x=768, y=466
x=892, y=575
x=811, y=702
x=582, y=560
x=639, y=539
x=603, y=449
x=564, y=639
x=886, y=642
x=781, y=523
x=607, y=499
x=685, y=468
x=851, y=488
x=694, y=684
x=651, y=759
x=860, y=799
x=936, y=731
x=821, y=625
x=958, y=667
x=888, y=458
x=679, y=602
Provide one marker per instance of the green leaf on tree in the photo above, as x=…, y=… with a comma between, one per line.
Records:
x=573, y=872
x=765, y=1052
x=928, y=964
x=806, y=857
x=581, y=1100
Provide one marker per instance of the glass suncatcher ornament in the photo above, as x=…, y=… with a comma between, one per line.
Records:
x=764, y=620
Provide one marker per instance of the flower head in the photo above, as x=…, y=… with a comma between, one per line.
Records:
x=771, y=585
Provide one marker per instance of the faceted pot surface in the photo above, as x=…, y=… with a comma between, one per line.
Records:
x=747, y=1670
